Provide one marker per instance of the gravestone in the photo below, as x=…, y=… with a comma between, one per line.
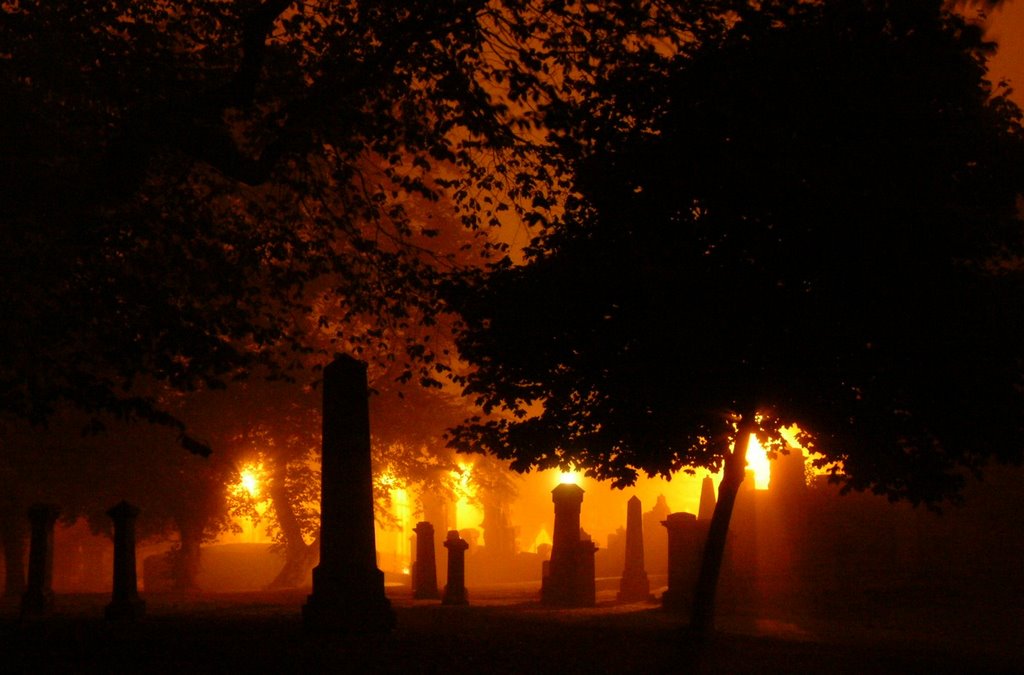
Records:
x=348, y=588
x=635, y=585
x=38, y=597
x=685, y=545
x=125, y=603
x=425, y=568
x=569, y=576
x=707, y=499
x=455, y=589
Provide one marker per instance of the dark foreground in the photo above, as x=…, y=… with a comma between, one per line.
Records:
x=502, y=632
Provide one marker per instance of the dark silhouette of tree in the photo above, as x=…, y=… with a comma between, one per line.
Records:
x=192, y=189
x=181, y=495
x=178, y=174
x=184, y=179
x=812, y=219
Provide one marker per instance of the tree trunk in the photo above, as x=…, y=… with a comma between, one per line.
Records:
x=702, y=618
x=298, y=554
x=13, y=535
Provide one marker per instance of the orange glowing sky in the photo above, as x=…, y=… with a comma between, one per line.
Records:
x=1006, y=26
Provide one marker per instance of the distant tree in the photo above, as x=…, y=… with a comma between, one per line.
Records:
x=181, y=496
x=814, y=219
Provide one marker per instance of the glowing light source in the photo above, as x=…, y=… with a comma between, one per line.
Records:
x=468, y=512
x=249, y=502
x=249, y=482
x=757, y=461
x=573, y=477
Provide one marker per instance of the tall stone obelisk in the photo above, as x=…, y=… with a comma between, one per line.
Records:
x=348, y=588
x=634, y=585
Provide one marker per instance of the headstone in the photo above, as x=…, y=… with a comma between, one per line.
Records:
x=38, y=597
x=685, y=545
x=569, y=577
x=634, y=586
x=125, y=603
x=348, y=588
x=655, y=538
x=425, y=568
x=13, y=541
x=707, y=499
x=586, y=579
x=455, y=589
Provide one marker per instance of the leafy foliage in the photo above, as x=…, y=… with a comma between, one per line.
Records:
x=814, y=217
x=186, y=180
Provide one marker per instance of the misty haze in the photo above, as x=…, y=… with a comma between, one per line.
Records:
x=512, y=336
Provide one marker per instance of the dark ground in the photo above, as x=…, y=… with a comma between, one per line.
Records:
x=503, y=631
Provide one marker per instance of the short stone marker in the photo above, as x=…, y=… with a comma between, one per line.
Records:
x=685, y=546
x=125, y=602
x=38, y=597
x=424, y=575
x=455, y=589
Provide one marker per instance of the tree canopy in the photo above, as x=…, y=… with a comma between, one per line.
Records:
x=815, y=218
x=179, y=174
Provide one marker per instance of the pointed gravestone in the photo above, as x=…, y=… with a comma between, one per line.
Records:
x=425, y=572
x=125, y=603
x=38, y=597
x=455, y=589
x=634, y=586
x=348, y=588
x=707, y=499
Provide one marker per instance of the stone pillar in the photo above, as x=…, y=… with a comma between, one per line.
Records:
x=634, y=586
x=425, y=568
x=707, y=499
x=455, y=589
x=685, y=546
x=348, y=588
x=13, y=541
x=125, y=603
x=38, y=597
x=565, y=583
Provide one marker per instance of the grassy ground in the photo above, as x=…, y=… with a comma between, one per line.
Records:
x=503, y=631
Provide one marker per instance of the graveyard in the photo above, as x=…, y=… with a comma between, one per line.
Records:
x=784, y=618
x=512, y=336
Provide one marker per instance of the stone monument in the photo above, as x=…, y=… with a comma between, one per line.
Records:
x=424, y=575
x=707, y=499
x=569, y=577
x=685, y=546
x=455, y=589
x=38, y=597
x=634, y=586
x=125, y=602
x=348, y=588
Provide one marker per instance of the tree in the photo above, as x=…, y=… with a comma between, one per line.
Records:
x=180, y=174
x=813, y=219
x=181, y=496
x=187, y=178
x=189, y=186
